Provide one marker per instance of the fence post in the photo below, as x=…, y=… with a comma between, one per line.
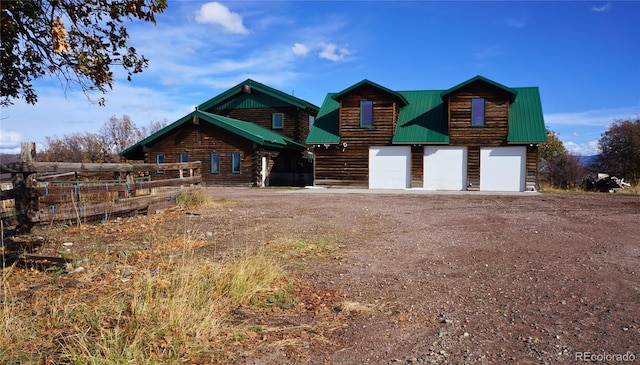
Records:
x=24, y=185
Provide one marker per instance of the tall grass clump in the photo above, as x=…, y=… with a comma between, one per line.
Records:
x=195, y=197
x=170, y=313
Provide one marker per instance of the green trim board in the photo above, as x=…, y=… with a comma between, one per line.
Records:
x=252, y=94
x=339, y=95
x=423, y=119
x=247, y=130
x=508, y=90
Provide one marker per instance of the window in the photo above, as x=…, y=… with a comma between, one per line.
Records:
x=366, y=113
x=477, y=112
x=311, y=121
x=160, y=159
x=215, y=163
x=184, y=157
x=235, y=162
x=277, y=121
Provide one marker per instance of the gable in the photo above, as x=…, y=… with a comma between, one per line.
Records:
x=371, y=85
x=250, y=94
x=512, y=93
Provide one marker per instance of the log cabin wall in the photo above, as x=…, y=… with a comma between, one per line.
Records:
x=349, y=166
x=496, y=128
x=417, y=166
x=531, y=178
x=295, y=126
x=199, y=141
x=493, y=133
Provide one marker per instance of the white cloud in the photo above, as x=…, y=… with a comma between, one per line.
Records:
x=216, y=13
x=582, y=149
x=594, y=118
x=489, y=52
x=602, y=8
x=518, y=23
x=332, y=52
x=10, y=142
x=300, y=49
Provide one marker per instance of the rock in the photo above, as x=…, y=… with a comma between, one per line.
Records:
x=76, y=270
x=125, y=272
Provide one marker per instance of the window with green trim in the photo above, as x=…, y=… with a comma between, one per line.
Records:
x=477, y=112
x=235, y=163
x=159, y=160
x=215, y=163
x=184, y=157
x=277, y=121
x=366, y=113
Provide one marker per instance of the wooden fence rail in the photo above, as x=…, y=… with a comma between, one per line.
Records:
x=37, y=199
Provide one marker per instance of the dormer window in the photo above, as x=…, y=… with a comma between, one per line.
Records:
x=277, y=121
x=477, y=112
x=366, y=113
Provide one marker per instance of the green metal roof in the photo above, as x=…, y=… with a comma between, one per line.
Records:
x=526, y=121
x=423, y=119
x=250, y=131
x=338, y=96
x=260, y=95
x=508, y=90
x=325, y=126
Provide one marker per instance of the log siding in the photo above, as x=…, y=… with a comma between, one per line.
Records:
x=346, y=163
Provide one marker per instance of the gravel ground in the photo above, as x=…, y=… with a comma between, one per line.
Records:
x=414, y=276
x=461, y=278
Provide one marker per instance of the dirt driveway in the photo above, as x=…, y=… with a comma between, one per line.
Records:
x=454, y=278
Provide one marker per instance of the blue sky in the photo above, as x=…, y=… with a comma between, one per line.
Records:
x=583, y=55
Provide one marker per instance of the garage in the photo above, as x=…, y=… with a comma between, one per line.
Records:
x=502, y=168
x=445, y=168
x=389, y=167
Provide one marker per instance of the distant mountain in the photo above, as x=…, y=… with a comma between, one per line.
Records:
x=588, y=160
x=7, y=158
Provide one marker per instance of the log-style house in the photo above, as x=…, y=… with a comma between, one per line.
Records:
x=250, y=135
x=477, y=135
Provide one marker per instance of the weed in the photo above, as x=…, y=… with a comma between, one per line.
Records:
x=192, y=198
x=282, y=299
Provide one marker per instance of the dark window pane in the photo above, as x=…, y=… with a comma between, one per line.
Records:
x=215, y=163
x=477, y=112
x=235, y=162
x=366, y=113
x=277, y=120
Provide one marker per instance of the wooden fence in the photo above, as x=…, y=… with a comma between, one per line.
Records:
x=47, y=192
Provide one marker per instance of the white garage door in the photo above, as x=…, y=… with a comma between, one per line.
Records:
x=445, y=168
x=502, y=168
x=389, y=167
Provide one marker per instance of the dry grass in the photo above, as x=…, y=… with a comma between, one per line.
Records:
x=171, y=307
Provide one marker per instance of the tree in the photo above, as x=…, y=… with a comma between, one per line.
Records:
x=75, y=147
x=565, y=171
x=556, y=166
x=552, y=148
x=76, y=40
x=620, y=150
x=103, y=147
x=118, y=134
